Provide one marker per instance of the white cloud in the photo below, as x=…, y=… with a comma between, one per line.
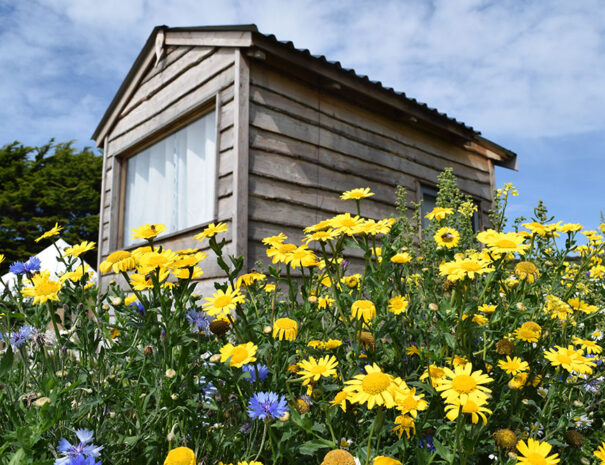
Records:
x=508, y=67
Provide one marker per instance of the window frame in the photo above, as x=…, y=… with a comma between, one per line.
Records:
x=171, y=127
x=432, y=188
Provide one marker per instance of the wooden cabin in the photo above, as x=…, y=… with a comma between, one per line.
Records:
x=226, y=124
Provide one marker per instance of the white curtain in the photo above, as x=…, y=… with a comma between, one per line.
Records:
x=173, y=181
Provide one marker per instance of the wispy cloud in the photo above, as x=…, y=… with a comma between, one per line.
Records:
x=504, y=67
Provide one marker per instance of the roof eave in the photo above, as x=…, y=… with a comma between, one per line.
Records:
x=499, y=155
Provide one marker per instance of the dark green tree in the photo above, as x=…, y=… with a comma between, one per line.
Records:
x=41, y=186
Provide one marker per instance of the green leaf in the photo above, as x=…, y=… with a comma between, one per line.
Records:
x=310, y=447
x=17, y=459
x=7, y=361
x=442, y=450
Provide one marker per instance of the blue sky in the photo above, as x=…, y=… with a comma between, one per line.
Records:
x=530, y=75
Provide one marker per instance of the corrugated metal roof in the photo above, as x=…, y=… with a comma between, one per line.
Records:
x=338, y=66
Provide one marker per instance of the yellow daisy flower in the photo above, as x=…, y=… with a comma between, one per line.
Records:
x=120, y=260
x=447, y=237
x=248, y=279
x=513, y=366
x=281, y=252
x=578, y=304
x=363, y=310
x=373, y=388
x=401, y=258
x=382, y=460
x=526, y=270
x=222, y=302
x=435, y=373
x=313, y=370
x=340, y=399
x=600, y=453
x=42, y=288
x=79, y=249
x=398, y=305
x=56, y=229
x=503, y=243
x=332, y=344
x=321, y=236
x=439, y=213
x=301, y=256
x=463, y=384
x=211, y=231
x=407, y=401
x=338, y=457
x=570, y=359
x=535, y=453
x=238, y=355
x=180, y=456
x=357, y=194
x=589, y=346
x=345, y=223
x=285, y=328
x=475, y=409
x=461, y=268
x=147, y=231
x=479, y=319
x=486, y=308
x=274, y=241
x=188, y=273
x=529, y=332
x=404, y=424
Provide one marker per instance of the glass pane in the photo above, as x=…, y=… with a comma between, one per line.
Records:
x=173, y=181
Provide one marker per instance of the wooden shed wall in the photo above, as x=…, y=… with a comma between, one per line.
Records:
x=307, y=146
x=185, y=78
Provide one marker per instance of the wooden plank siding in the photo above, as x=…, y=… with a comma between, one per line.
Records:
x=185, y=79
x=307, y=146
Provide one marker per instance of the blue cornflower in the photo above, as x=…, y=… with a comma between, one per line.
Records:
x=81, y=454
x=81, y=460
x=208, y=389
x=30, y=266
x=17, y=338
x=262, y=370
x=139, y=306
x=33, y=265
x=17, y=268
x=427, y=442
x=200, y=320
x=266, y=405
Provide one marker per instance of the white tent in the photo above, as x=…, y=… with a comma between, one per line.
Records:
x=48, y=261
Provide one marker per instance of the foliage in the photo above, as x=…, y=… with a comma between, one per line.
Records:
x=379, y=355
x=41, y=186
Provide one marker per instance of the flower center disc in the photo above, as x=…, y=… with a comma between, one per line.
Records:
x=409, y=403
x=222, y=301
x=375, y=383
x=564, y=359
x=318, y=370
x=506, y=244
x=470, y=266
x=464, y=384
x=238, y=355
x=536, y=459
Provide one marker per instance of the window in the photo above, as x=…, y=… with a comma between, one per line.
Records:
x=173, y=181
x=429, y=201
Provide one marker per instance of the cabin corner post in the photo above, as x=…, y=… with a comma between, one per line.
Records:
x=241, y=147
x=102, y=203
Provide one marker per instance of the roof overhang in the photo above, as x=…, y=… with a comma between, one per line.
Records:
x=346, y=80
